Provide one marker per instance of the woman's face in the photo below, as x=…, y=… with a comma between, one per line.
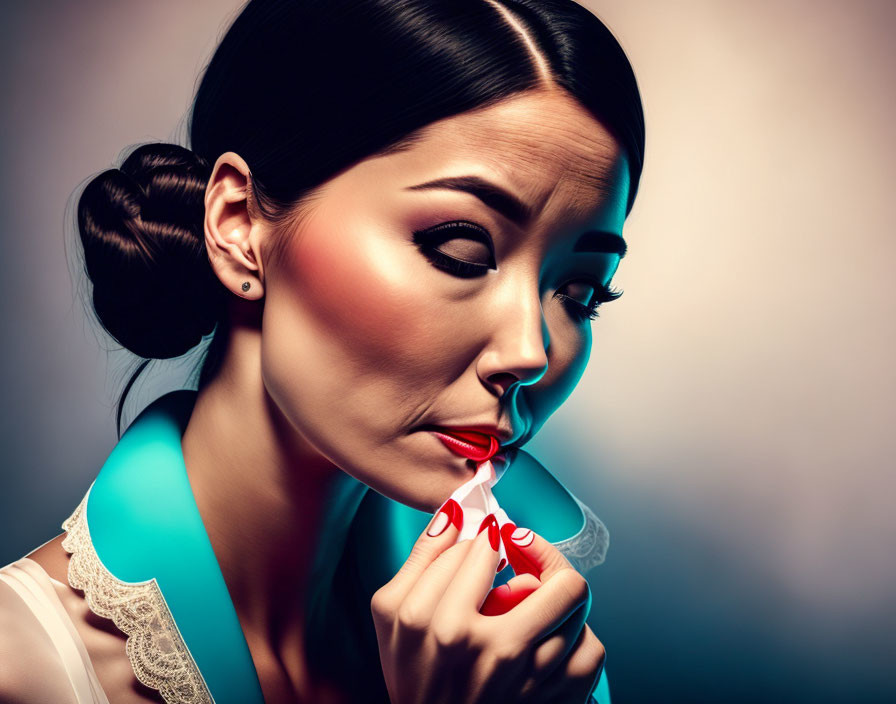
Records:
x=371, y=328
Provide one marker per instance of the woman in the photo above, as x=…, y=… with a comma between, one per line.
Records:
x=397, y=220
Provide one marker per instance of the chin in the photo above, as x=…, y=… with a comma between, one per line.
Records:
x=422, y=479
x=427, y=492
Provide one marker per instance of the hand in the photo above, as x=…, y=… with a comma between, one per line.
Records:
x=533, y=559
x=530, y=645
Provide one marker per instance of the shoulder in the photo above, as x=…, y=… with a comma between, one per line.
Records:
x=31, y=668
x=533, y=497
x=52, y=558
x=536, y=499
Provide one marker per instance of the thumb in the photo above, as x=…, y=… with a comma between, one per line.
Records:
x=502, y=599
x=529, y=553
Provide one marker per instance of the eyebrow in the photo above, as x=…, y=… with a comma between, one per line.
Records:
x=512, y=208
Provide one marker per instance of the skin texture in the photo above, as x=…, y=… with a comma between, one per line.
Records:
x=354, y=299
x=528, y=644
x=349, y=338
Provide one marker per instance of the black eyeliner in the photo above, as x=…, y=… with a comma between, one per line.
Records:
x=427, y=244
x=602, y=294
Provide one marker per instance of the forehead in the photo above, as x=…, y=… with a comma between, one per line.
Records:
x=542, y=145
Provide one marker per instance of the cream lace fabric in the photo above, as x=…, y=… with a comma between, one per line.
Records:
x=587, y=548
x=157, y=652
x=155, y=647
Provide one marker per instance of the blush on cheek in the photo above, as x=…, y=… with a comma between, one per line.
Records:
x=357, y=289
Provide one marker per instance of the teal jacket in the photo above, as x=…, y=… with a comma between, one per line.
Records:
x=141, y=519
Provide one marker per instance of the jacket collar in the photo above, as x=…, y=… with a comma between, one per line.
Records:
x=144, y=525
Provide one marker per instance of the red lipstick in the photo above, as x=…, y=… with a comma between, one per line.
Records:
x=472, y=444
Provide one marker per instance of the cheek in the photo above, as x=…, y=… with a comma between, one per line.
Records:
x=354, y=292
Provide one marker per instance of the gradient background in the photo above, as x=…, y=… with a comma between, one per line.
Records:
x=735, y=429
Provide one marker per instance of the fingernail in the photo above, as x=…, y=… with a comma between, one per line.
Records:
x=455, y=513
x=502, y=564
x=449, y=512
x=439, y=524
x=519, y=560
x=522, y=537
x=494, y=535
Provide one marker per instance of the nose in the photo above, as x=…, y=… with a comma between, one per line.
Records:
x=517, y=350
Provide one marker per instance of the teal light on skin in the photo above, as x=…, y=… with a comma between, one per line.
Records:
x=602, y=230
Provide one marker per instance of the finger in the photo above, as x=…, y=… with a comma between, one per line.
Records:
x=548, y=607
x=529, y=553
x=440, y=534
x=415, y=612
x=502, y=599
x=578, y=673
x=554, y=648
x=468, y=588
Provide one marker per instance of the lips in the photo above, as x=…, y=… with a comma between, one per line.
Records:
x=471, y=444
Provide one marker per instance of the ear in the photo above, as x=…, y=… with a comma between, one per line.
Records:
x=232, y=236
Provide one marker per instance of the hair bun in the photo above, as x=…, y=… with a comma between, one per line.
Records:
x=141, y=227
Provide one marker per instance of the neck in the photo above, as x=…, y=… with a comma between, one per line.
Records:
x=267, y=498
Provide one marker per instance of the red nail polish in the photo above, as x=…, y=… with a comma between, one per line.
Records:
x=517, y=555
x=494, y=535
x=455, y=513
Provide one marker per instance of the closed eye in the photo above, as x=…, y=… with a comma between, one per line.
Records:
x=461, y=248
x=599, y=294
x=470, y=254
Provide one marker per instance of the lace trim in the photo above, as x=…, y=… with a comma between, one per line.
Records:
x=587, y=548
x=159, y=657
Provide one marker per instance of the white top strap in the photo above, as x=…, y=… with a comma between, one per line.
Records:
x=65, y=673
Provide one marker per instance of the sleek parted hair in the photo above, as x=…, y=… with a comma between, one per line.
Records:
x=302, y=90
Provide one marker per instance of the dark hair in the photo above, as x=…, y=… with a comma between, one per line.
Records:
x=303, y=89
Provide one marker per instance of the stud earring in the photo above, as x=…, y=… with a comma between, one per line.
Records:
x=246, y=285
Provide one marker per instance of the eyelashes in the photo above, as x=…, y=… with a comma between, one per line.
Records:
x=428, y=241
x=602, y=294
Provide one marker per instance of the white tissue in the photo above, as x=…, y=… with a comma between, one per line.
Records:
x=477, y=501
